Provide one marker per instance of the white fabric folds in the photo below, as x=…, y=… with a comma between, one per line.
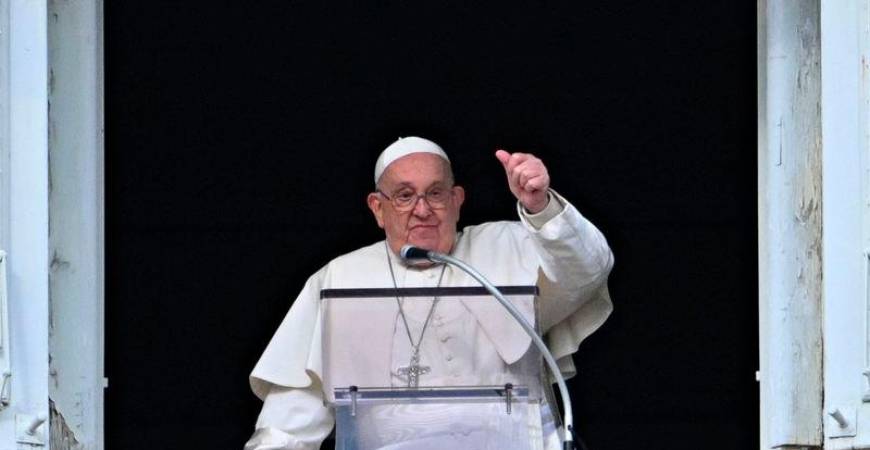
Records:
x=566, y=257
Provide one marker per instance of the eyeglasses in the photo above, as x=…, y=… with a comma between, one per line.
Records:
x=406, y=199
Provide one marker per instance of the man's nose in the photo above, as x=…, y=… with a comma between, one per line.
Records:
x=421, y=207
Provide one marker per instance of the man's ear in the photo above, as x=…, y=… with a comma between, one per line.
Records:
x=377, y=207
x=458, y=196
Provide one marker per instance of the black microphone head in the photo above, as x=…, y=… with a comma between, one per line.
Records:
x=410, y=252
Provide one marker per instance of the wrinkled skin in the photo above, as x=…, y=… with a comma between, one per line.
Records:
x=432, y=229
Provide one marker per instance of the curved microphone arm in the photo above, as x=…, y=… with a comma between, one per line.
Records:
x=413, y=252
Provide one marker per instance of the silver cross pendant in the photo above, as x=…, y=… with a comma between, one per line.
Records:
x=414, y=370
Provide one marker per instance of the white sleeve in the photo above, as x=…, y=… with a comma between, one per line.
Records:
x=292, y=419
x=538, y=220
x=575, y=262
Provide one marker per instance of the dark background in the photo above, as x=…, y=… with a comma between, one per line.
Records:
x=241, y=140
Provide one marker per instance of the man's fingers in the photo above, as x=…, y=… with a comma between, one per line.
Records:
x=537, y=183
x=503, y=157
x=524, y=171
x=516, y=160
x=514, y=177
x=529, y=169
x=530, y=182
x=525, y=174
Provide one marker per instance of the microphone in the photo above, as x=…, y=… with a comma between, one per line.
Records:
x=410, y=252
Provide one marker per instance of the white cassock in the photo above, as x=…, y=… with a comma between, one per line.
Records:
x=560, y=251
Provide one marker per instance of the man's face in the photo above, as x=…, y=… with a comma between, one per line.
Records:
x=421, y=225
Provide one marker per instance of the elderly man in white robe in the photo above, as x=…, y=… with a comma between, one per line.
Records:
x=416, y=202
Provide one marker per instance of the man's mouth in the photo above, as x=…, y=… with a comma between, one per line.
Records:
x=423, y=231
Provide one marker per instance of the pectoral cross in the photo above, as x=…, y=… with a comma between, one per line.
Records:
x=414, y=370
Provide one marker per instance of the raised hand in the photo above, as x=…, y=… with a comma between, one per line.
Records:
x=527, y=178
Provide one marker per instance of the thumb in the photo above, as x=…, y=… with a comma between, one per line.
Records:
x=503, y=157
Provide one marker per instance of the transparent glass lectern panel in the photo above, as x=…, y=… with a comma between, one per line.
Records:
x=464, y=411
x=432, y=419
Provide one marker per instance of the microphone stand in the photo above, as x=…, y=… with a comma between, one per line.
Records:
x=413, y=252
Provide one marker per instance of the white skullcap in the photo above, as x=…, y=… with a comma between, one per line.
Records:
x=404, y=147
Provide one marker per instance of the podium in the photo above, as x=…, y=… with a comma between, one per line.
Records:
x=375, y=410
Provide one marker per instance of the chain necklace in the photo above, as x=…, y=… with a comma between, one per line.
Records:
x=413, y=370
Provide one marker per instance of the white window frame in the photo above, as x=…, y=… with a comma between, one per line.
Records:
x=846, y=237
x=24, y=221
x=51, y=222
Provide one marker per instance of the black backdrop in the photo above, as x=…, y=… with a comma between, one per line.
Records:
x=241, y=138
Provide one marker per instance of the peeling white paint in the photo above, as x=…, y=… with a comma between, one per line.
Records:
x=76, y=222
x=62, y=436
x=790, y=226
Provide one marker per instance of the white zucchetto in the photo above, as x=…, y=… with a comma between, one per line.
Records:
x=404, y=147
